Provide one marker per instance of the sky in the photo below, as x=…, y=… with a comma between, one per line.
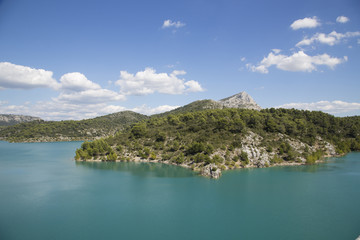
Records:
x=77, y=59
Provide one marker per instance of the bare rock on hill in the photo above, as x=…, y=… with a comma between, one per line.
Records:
x=240, y=100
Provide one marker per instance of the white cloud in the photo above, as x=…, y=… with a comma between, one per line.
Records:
x=90, y=96
x=342, y=19
x=193, y=86
x=23, y=77
x=148, y=82
x=77, y=82
x=76, y=88
x=305, y=23
x=168, y=23
x=299, y=61
x=276, y=51
x=333, y=107
x=57, y=110
x=144, y=109
x=53, y=110
x=329, y=39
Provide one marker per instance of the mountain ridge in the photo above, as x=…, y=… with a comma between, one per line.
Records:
x=240, y=100
x=12, y=119
x=102, y=126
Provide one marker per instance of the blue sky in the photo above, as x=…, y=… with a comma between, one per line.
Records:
x=80, y=59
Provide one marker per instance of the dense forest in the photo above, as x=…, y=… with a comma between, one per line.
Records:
x=88, y=129
x=229, y=138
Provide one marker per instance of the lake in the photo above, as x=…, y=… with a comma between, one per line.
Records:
x=45, y=194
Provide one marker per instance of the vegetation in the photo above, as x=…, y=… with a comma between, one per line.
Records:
x=70, y=130
x=193, y=107
x=225, y=137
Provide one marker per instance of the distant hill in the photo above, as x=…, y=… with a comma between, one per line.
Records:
x=241, y=100
x=193, y=107
x=89, y=129
x=10, y=119
x=70, y=130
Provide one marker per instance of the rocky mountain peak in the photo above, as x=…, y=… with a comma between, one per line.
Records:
x=240, y=100
x=10, y=119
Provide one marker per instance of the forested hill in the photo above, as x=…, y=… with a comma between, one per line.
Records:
x=40, y=131
x=106, y=125
x=213, y=140
x=193, y=107
x=241, y=100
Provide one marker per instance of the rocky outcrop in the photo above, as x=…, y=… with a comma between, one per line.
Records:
x=10, y=119
x=211, y=170
x=240, y=100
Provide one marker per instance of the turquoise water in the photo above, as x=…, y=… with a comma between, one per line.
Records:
x=44, y=194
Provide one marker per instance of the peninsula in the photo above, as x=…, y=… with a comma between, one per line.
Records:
x=211, y=136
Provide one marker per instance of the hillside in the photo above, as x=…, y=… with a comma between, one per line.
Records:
x=193, y=107
x=11, y=119
x=42, y=131
x=210, y=141
x=240, y=100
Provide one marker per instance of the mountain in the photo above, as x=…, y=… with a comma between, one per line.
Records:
x=70, y=130
x=89, y=129
x=193, y=107
x=10, y=119
x=240, y=100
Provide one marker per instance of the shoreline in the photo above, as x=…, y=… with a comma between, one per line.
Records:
x=214, y=173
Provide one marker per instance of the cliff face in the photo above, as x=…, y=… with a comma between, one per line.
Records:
x=240, y=100
x=10, y=119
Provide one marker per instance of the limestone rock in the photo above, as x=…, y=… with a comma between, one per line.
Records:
x=211, y=170
x=10, y=119
x=240, y=100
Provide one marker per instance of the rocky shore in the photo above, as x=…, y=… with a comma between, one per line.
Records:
x=258, y=156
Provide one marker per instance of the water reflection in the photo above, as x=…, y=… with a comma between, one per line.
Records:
x=140, y=168
x=326, y=166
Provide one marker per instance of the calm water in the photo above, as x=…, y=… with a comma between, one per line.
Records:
x=44, y=194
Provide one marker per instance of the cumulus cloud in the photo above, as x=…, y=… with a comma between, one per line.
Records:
x=149, y=81
x=77, y=82
x=342, y=19
x=90, y=96
x=76, y=88
x=305, y=23
x=144, y=109
x=334, y=107
x=23, y=77
x=329, y=39
x=81, y=98
x=297, y=62
x=168, y=24
x=276, y=51
x=57, y=110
